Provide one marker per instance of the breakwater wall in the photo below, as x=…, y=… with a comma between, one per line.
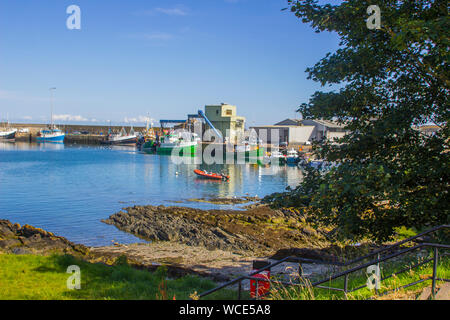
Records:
x=70, y=138
x=77, y=134
x=72, y=128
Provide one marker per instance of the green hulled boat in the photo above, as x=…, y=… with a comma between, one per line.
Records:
x=181, y=144
x=249, y=152
x=149, y=146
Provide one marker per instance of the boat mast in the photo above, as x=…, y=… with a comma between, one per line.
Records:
x=51, y=107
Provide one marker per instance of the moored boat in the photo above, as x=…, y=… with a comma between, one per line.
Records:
x=211, y=175
x=180, y=144
x=148, y=146
x=51, y=134
x=8, y=134
x=248, y=151
x=147, y=143
x=292, y=157
x=276, y=157
x=122, y=138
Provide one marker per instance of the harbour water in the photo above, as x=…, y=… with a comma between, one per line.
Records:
x=68, y=189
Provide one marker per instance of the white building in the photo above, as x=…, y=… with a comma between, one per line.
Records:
x=326, y=128
x=295, y=131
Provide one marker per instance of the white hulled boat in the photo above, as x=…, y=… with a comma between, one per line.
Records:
x=52, y=133
x=7, y=133
x=122, y=138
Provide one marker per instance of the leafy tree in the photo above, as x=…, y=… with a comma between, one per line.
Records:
x=392, y=80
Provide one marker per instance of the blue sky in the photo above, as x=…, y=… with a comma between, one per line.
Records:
x=164, y=58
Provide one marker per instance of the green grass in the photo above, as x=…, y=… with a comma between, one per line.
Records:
x=24, y=277
x=280, y=292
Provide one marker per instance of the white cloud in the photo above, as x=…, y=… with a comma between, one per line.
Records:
x=177, y=11
x=139, y=119
x=68, y=117
x=151, y=36
x=173, y=11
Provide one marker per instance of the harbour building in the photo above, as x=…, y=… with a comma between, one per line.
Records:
x=225, y=119
x=296, y=131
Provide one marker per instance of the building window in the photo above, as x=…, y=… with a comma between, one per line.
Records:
x=217, y=111
x=229, y=112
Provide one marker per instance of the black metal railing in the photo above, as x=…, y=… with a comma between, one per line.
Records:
x=384, y=254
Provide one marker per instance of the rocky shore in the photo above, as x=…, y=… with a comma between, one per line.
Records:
x=180, y=259
x=26, y=239
x=22, y=240
x=257, y=230
x=219, y=244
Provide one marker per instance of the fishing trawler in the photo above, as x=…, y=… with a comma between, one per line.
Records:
x=147, y=143
x=181, y=143
x=249, y=149
x=276, y=157
x=7, y=133
x=52, y=133
x=122, y=138
x=292, y=157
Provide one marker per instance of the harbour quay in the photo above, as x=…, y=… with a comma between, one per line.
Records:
x=79, y=134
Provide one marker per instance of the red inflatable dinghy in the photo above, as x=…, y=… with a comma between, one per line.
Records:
x=211, y=175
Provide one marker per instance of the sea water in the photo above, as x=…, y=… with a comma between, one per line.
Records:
x=69, y=189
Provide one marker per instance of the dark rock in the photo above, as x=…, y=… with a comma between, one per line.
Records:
x=28, y=239
x=235, y=231
x=20, y=251
x=9, y=243
x=35, y=237
x=6, y=229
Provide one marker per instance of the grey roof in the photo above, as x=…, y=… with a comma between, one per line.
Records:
x=296, y=121
x=326, y=123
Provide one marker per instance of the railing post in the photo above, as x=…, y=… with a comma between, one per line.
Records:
x=257, y=290
x=239, y=289
x=435, y=262
x=346, y=286
x=379, y=273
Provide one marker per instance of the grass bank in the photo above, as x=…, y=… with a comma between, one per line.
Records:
x=36, y=277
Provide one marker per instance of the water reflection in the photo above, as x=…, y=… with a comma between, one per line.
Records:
x=42, y=146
